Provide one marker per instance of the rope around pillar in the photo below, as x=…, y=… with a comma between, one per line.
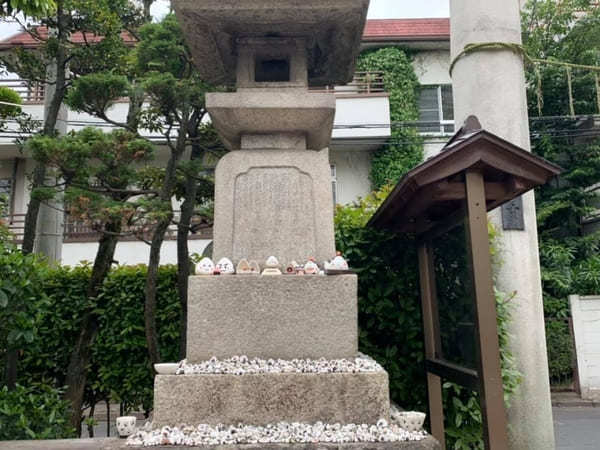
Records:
x=518, y=49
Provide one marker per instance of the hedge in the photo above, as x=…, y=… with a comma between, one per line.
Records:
x=120, y=367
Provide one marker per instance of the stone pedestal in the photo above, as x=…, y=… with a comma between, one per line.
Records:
x=279, y=317
x=262, y=399
x=274, y=202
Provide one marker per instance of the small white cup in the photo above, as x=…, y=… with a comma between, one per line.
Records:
x=126, y=425
x=410, y=420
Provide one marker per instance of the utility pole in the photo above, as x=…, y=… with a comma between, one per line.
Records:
x=50, y=224
x=491, y=85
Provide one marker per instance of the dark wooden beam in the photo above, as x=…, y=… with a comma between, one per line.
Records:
x=488, y=349
x=432, y=340
x=453, y=372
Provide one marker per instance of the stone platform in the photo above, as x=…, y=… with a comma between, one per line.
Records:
x=262, y=399
x=119, y=444
x=278, y=317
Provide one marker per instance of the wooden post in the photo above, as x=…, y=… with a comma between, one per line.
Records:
x=432, y=340
x=491, y=390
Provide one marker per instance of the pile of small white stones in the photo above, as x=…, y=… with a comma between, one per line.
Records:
x=242, y=365
x=280, y=433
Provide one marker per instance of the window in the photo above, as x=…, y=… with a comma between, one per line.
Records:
x=436, y=111
x=334, y=183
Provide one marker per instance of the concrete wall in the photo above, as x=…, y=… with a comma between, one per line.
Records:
x=362, y=110
x=586, y=320
x=352, y=170
x=127, y=253
x=433, y=67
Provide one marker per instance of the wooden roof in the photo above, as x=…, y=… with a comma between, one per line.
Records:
x=435, y=190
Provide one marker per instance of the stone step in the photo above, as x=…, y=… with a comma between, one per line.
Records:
x=279, y=317
x=262, y=399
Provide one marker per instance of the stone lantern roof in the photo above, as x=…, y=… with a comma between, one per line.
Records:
x=331, y=30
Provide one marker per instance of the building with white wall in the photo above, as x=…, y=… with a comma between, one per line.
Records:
x=362, y=124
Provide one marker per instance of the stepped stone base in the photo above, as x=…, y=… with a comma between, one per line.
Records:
x=261, y=399
x=119, y=444
x=279, y=317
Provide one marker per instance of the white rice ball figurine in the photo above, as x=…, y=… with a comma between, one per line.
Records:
x=272, y=266
x=205, y=267
x=311, y=268
x=339, y=263
x=225, y=266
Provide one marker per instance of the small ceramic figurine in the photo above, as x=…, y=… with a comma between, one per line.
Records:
x=290, y=269
x=254, y=268
x=225, y=266
x=272, y=266
x=126, y=425
x=337, y=263
x=243, y=267
x=311, y=268
x=205, y=267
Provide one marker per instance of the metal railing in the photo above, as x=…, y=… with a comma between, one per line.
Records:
x=30, y=92
x=362, y=83
x=78, y=231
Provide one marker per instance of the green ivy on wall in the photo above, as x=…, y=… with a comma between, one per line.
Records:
x=405, y=147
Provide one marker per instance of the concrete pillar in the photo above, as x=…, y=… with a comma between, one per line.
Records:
x=491, y=85
x=50, y=225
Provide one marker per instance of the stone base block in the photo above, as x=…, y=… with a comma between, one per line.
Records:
x=285, y=316
x=120, y=444
x=270, y=398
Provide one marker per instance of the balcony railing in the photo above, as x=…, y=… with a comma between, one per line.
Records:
x=30, y=92
x=363, y=83
x=77, y=231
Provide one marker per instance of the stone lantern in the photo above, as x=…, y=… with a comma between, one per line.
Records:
x=273, y=197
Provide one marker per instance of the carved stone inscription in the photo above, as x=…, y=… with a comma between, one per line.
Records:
x=274, y=214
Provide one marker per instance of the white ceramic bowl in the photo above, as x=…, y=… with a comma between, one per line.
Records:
x=410, y=420
x=166, y=368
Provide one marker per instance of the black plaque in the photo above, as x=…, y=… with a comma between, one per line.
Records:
x=512, y=215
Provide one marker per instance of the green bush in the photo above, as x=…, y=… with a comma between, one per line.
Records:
x=21, y=281
x=35, y=412
x=391, y=325
x=8, y=95
x=560, y=351
x=120, y=368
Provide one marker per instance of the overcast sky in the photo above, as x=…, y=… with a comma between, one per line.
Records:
x=380, y=9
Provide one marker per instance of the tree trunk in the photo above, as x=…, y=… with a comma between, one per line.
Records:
x=151, y=290
x=158, y=237
x=81, y=354
x=39, y=174
x=90, y=426
x=183, y=252
x=10, y=374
